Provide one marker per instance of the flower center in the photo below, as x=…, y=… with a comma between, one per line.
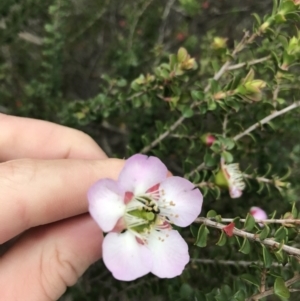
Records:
x=142, y=211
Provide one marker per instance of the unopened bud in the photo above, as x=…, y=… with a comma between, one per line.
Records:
x=264, y=26
x=208, y=139
x=219, y=43
x=259, y=214
x=255, y=85
x=188, y=64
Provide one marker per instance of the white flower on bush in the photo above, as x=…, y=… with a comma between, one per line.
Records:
x=137, y=210
x=230, y=177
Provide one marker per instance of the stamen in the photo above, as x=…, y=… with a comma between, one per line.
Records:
x=133, y=221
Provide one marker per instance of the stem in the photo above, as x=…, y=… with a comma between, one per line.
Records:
x=259, y=179
x=242, y=263
x=135, y=22
x=267, y=242
x=166, y=13
x=265, y=221
x=270, y=291
x=250, y=63
x=266, y=120
x=262, y=288
x=198, y=168
x=224, y=125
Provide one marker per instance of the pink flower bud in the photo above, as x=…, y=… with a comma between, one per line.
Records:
x=208, y=139
x=259, y=214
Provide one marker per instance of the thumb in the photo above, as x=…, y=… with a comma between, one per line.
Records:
x=47, y=259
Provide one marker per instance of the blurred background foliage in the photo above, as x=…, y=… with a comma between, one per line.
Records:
x=104, y=67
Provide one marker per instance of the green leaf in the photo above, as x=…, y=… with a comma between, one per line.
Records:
x=281, y=234
x=294, y=210
x=218, y=218
x=251, y=279
x=222, y=240
x=275, y=6
x=279, y=256
x=237, y=222
x=202, y=236
x=186, y=291
x=267, y=257
x=209, y=160
x=249, y=222
x=194, y=230
x=182, y=54
x=257, y=18
x=246, y=247
x=264, y=233
x=211, y=105
x=280, y=289
x=216, y=192
x=173, y=61
x=216, y=147
x=197, y=95
x=187, y=112
x=229, y=143
x=227, y=156
x=239, y=296
x=211, y=213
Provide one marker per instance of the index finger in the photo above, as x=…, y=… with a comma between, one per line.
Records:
x=30, y=138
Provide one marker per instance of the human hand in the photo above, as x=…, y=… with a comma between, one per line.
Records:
x=44, y=198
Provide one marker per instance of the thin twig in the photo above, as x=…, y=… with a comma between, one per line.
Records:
x=270, y=291
x=24, y=35
x=265, y=221
x=242, y=263
x=262, y=288
x=267, y=242
x=266, y=120
x=224, y=126
x=190, y=137
x=135, y=22
x=31, y=38
x=198, y=168
x=250, y=63
x=165, y=15
x=259, y=179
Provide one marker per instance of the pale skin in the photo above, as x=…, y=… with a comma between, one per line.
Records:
x=45, y=172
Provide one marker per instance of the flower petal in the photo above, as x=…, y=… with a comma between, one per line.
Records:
x=141, y=173
x=169, y=252
x=106, y=203
x=235, y=192
x=181, y=201
x=125, y=257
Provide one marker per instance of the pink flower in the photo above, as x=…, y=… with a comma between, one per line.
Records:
x=258, y=214
x=144, y=202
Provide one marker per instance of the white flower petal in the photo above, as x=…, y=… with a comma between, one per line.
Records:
x=106, y=203
x=169, y=252
x=235, y=192
x=181, y=202
x=141, y=173
x=125, y=257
